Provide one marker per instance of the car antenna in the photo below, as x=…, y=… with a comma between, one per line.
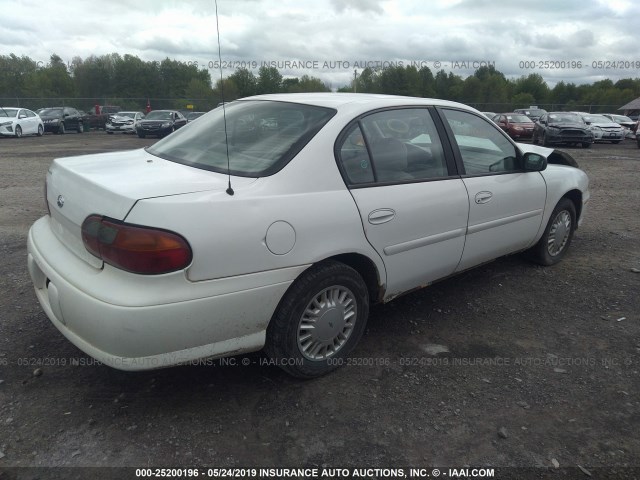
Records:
x=224, y=111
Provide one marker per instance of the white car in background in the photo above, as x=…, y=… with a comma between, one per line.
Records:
x=16, y=122
x=124, y=122
x=603, y=129
x=625, y=122
x=281, y=237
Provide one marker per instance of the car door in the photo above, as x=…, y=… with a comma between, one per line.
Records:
x=412, y=203
x=32, y=120
x=506, y=202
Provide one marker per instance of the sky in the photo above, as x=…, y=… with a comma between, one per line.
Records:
x=579, y=41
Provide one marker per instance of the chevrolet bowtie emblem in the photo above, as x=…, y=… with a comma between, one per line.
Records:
x=60, y=201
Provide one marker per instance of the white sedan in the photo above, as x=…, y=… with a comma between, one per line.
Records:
x=15, y=122
x=278, y=229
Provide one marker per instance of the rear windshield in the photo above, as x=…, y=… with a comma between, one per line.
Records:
x=263, y=136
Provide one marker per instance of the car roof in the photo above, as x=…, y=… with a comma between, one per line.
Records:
x=342, y=100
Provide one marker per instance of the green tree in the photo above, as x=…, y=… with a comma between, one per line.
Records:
x=269, y=80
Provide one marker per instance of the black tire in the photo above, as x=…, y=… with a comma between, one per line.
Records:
x=61, y=129
x=586, y=145
x=534, y=139
x=40, y=130
x=141, y=135
x=615, y=142
x=286, y=337
x=554, y=243
x=18, y=132
x=109, y=132
x=545, y=143
x=80, y=127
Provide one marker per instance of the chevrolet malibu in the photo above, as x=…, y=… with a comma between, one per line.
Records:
x=279, y=228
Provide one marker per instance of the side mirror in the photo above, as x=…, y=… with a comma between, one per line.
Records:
x=534, y=162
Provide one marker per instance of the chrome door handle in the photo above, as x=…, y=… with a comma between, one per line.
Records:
x=382, y=215
x=483, y=197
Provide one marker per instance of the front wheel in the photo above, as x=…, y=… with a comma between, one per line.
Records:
x=545, y=142
x=555, y=240
x=61, y=129
x=18, y=132
x=40, y=130
x=319, y=320
x=80, y=127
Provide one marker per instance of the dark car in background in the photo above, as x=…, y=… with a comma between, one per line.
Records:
x=160, y=123
x=61, y=119
x=562, y=128
x=516, y=125
x=533, y=113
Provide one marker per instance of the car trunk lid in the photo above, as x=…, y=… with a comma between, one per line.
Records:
x=110, y=184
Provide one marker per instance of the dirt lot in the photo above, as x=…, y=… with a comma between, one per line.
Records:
x=541, y=365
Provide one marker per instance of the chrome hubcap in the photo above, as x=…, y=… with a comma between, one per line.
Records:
x=559, y=233
x=327, y=323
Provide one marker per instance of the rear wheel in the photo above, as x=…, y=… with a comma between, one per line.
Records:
x=555, y=240
x=141, y=135
x=586, y=145
x=319, y=320
x=615, y=142
x=18, y=132
x=61, y=129
x=80, y=127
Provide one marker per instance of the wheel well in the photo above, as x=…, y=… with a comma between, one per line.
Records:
x=576, y=197
x=367, y=270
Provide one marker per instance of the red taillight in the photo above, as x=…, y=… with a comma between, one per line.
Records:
x=135, y=249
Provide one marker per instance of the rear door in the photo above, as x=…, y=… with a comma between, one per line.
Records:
x=506, y=203
x=412, y=203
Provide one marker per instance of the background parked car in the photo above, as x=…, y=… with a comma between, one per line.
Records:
x=160, y=123
x=562, y=128
x=61, y=119
x=533, y=113
x=191, y=116
x=100, y=114
x=516, y=125
x=489, y=114
x=124, y=122
x=15, y=122
x=626, y=123
x=603, y=129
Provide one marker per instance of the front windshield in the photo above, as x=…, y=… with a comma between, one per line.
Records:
x=51, y=112
x=126, y=114
x=621, y=118
x=565, y=118
x=158, y=115
x=596, y=119
x=8, y=112
x=518, y=119
x=263, y=136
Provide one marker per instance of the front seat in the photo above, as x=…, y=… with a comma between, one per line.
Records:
x=390, y=160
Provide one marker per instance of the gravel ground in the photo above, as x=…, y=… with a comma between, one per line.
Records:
x=507, y=365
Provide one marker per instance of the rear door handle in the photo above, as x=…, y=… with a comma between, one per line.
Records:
x=382, y=215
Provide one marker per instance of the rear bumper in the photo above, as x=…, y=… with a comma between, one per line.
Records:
x=164, y=320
